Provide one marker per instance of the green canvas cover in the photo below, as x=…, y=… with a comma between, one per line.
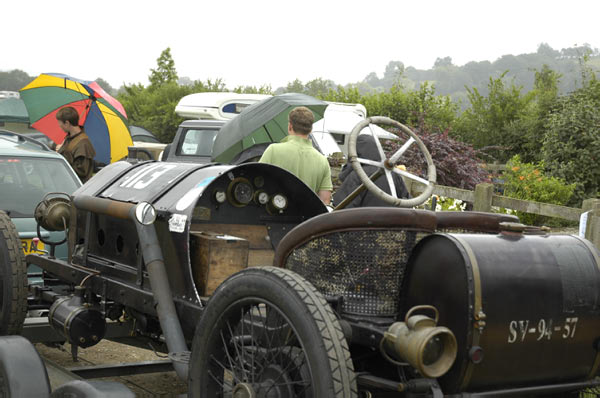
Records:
x=13, y=110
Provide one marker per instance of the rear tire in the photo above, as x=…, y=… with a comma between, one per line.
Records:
x=268, y=332
x=13, y=279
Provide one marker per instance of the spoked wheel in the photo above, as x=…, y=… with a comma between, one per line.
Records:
x=267, y=333
x=387, y=165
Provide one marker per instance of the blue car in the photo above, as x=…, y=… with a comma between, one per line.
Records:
x=29, y=170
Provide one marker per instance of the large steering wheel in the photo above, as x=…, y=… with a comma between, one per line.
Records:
x=387, y=166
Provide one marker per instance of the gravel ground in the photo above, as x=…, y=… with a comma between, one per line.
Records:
x=107, y=352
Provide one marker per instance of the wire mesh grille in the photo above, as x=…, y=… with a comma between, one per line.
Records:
x=366, y=267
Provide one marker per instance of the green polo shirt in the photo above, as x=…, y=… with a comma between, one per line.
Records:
x=297, y=155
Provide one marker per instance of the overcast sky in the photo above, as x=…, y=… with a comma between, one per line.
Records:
x=255, y=42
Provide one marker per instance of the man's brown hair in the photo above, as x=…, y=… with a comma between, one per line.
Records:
x=301, y=119
x=68, y=114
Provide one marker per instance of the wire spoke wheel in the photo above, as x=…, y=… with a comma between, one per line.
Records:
x=267, y=333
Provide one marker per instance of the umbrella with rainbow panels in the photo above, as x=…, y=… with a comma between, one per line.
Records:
x=103, y=117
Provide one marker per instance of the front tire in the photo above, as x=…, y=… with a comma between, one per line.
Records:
x=13, y=279
x=267, y=332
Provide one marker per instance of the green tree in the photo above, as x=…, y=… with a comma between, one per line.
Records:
x=490, y=121
x=441, y=62
x=571, y=147
x=532, y=123
x=349, y=95
x=154, y=109
x=165, y=71
x=105, y=86
x=264, y=89
x=319, y=87
x=421, y=108
x=14, y=80
x=294, y=87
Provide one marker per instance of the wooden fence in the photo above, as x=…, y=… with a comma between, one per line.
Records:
x=483, y=198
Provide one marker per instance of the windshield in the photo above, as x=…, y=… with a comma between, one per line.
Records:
x=25, y=180
x=198, y=142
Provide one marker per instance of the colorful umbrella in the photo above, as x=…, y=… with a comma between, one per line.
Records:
x=102, y=116
x=260, y=123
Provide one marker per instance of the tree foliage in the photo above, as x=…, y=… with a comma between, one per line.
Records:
x=14, y=80
x=571, y=147
x=316, y=88
x=412, y=108
x=165, y=72
x=154, y=109
x=106, y=86
x=492, y=121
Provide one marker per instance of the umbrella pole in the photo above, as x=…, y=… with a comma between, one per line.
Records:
x=269, y=134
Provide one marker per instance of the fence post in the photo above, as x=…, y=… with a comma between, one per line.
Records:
x=592, y=230
x=483, y=197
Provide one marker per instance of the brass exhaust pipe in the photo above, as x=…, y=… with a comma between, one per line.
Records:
x=429, y=348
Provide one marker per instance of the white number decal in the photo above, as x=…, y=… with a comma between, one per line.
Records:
x=136, y=181
x=519, y=329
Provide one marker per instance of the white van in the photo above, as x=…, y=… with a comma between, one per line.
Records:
x=215, y=105
x=340, y=119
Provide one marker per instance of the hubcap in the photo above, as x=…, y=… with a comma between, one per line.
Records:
x=243, y=390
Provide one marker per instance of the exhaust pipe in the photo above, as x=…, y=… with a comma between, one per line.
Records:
x=143, y=214
x=429, y=348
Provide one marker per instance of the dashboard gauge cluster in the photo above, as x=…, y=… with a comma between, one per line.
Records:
x=242, y=191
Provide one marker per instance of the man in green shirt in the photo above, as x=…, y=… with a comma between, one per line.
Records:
x=296, y=154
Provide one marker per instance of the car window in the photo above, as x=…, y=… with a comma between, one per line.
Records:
x=198, y=142
x=339, y=138
x=25, y=180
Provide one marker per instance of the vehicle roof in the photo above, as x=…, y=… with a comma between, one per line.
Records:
x=203, y=123
x=215, y=99
x=11, y=144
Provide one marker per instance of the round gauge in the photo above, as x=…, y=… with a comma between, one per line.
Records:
x=220, y=196
x=279, y=201
x=243, y=192
x=259, y=181
x=262, y=197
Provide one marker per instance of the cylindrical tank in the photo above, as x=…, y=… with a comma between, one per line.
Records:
x=73, y=318
x=524, y=309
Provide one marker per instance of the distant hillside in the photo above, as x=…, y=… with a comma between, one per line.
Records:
x=450, y=79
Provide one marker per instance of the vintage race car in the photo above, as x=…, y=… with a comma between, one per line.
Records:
x=255, y=289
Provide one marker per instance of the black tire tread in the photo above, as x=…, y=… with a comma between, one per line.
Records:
x=16, y=259
x=336, y=345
